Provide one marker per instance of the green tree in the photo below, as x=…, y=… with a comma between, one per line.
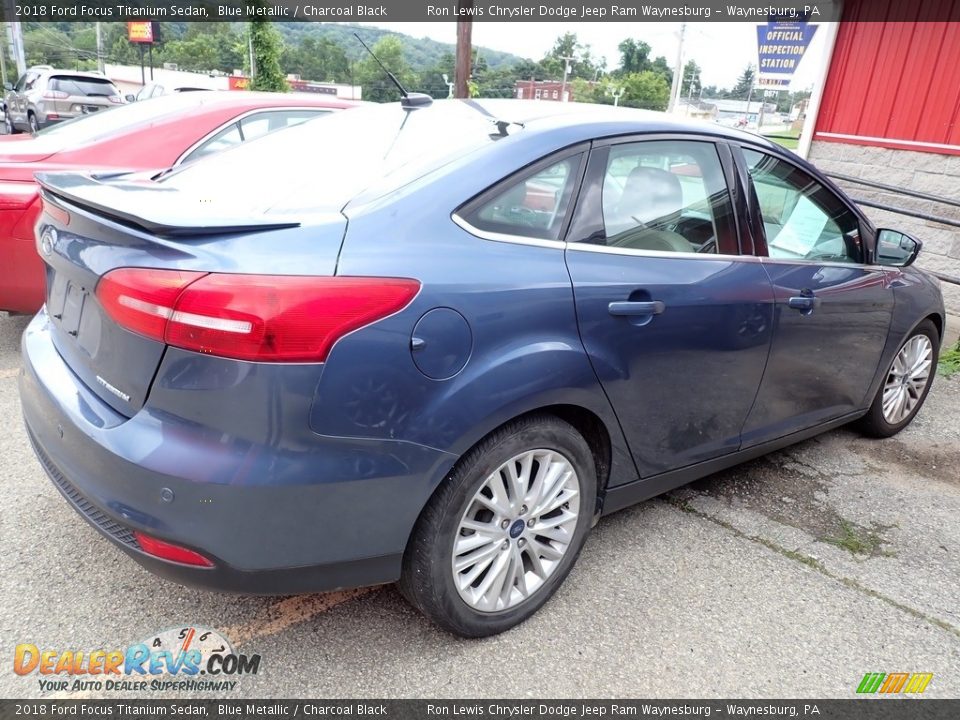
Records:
x=690, y=79
x=744, y=87
x=662, y=68
x=376, y=85
x=320, y=59
x=267, y=47
x=634, y=56
x=648, y=89
x=583, y=65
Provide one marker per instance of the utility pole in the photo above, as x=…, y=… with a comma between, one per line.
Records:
x=3, y=53
x=16, y=40
x=677, y=74
x=99, y=50
x=566, y=71
x=461, y=76
x=253, y=59
x=693, y=76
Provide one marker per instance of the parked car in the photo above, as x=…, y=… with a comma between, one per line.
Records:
x=156, y=134
x=156, y=89
x=44, y=96
x=435, y=345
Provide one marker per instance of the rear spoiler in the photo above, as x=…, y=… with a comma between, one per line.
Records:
x=159, y=210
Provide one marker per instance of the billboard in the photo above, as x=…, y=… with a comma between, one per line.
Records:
x=140, y=32
x=780, y=48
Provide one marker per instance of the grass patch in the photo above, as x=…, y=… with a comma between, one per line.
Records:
x=789, y=139
x=859, y=540
x=949, y=362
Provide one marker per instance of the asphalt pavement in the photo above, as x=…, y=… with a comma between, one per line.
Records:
x=790, y=576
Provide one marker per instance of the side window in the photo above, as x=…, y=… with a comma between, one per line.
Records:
x=21, y=83
x=534, y=206
x=226, y=138
x=803, y=220
x=260, y=124
x=667, y=195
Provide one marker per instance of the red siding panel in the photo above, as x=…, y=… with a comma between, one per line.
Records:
x=895, y=83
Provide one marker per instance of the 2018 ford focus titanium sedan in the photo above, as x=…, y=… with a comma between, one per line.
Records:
x=433, y=345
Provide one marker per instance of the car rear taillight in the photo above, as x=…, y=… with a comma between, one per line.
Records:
x=265, y=318
x=55, y=95
x=168, y=551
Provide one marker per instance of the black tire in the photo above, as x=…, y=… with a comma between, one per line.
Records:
x=32, y=121
x=428, y=579
x=11, y=128
x=874, y=424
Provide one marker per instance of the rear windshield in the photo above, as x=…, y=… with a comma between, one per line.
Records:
x=88, y=128
x=85, y=86
x=321, y=164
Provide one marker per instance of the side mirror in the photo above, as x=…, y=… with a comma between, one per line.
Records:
x=896, y=249
x=130, y=98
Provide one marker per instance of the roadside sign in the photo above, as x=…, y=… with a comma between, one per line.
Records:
x=780, y=48
x=140, y=32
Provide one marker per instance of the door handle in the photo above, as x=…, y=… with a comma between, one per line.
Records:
x=804, y=303
x=630, y=308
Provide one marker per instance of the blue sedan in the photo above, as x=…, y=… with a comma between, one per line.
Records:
x=433, y=344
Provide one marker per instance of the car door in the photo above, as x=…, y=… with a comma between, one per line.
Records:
x=18, y=100
x=832, y=311
x=675, y=320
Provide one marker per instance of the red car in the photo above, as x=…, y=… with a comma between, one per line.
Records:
x=155, y=134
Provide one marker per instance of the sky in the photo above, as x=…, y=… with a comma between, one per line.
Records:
x=721, y=49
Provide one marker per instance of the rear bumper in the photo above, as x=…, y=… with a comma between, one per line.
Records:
x=343, y=523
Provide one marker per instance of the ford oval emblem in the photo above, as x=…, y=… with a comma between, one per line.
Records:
x=47, y=240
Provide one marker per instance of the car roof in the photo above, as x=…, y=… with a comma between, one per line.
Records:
x=74, y=73
x=232, y=98
x=598, y=120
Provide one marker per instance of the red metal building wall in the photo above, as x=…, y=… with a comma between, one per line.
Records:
x=895, y=81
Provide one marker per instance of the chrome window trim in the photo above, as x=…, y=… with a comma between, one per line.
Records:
x=820, y=263
x=587, y=247
x=238, y=118
x=505, y=237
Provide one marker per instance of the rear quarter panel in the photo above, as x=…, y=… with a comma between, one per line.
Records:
x=525, y=350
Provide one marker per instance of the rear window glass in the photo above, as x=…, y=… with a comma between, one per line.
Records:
x=88, y=128
x=84, y=86
x=321, y=164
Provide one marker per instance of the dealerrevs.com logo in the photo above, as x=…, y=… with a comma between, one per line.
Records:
x=190, y=658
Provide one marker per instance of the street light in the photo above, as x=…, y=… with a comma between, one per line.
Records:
x=450, y=85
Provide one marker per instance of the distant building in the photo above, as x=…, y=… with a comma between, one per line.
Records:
x=731, y=111
x=696, y=110
x=542, y=90
x=129, y=79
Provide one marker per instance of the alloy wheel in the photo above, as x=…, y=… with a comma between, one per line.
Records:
x=516, y=530
x=907, y=379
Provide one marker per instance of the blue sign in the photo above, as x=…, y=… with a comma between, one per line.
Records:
x=780, y=47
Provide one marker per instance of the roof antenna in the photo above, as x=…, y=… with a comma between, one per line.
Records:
x=408, y=100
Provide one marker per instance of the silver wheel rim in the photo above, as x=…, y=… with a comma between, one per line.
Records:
x=907, y=379
x=516, y=530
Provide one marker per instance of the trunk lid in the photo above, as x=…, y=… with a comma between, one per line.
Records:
x=18, y=149
x=91, y=226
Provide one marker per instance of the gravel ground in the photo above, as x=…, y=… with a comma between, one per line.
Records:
x=790, y=576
